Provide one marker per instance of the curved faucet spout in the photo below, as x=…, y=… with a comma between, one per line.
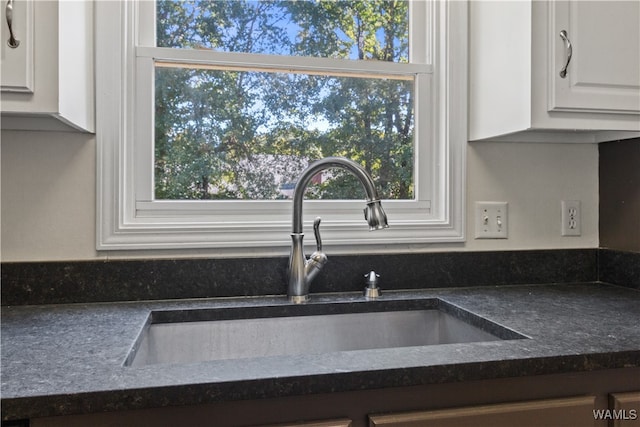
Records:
x=374, y=214
x=301, y=270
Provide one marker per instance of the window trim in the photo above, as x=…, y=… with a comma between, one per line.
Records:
x=126, y=223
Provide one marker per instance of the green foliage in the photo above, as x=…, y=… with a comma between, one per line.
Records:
x=241, y=135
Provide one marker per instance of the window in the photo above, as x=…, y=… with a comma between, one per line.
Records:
x=208, y=111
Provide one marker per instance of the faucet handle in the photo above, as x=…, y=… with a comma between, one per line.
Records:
x=318, y=259
x=316, y=232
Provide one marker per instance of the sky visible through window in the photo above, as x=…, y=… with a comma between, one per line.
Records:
x=226, y=134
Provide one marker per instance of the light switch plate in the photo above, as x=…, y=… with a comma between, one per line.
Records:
x=492, y=220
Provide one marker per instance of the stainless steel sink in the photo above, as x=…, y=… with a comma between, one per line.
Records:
x=189, y=336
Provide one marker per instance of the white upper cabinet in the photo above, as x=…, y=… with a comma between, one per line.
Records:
x=16, y=46
x=519, y=90
x=603, y=74
x=48, y=79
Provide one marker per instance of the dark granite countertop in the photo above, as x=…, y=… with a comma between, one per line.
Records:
x=69, y=359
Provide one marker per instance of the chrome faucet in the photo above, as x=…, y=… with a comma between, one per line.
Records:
x=302, y=270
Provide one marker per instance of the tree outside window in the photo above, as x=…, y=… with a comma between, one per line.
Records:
x=225, y=133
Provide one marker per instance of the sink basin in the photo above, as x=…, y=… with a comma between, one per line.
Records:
x=189, y=336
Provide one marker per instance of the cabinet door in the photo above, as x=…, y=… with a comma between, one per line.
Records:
x=344, y=422
x=17, y=60
x=604, y=72
x=574, y=411
x=626, y=407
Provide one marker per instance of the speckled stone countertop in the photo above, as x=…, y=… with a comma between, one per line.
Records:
x=69, y=359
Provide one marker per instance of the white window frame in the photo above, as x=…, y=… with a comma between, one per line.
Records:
x=129, y=218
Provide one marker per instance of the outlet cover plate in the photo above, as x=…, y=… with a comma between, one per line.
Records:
x=492, y=220
x=571, y=218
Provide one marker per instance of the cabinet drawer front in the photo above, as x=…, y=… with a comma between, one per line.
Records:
x=574, y=411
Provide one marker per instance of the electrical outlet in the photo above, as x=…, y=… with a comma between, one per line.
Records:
x=491, y=220
x=571, y=218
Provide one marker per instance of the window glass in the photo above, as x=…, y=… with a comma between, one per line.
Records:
x=354, y=29
x=248, y=135
x=234, y=134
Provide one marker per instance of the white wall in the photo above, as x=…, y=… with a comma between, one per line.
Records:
x=48, y=197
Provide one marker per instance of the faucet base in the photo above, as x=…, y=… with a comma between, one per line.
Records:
x=298, y=299
x=371, y=293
